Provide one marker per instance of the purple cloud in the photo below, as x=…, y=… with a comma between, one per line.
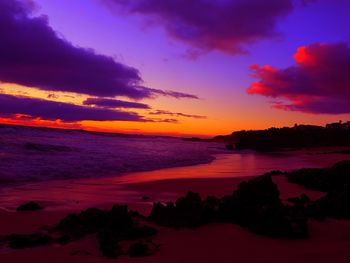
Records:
x=174, y=94
x=177, y=114
x=51, y=110
x=207, y=25
x=33, y=54
x=113, y=103
x=319, y=82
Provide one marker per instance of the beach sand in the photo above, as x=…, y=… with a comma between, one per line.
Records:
x=329, y=241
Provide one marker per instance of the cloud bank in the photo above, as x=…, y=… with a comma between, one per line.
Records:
x=177, y=114
x=319, y=82
x=33, y=54
x=51, y=110
x=206, y=25
x=114, y=103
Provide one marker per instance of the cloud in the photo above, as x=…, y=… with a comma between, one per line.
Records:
x=33, y=54
x=174, y=94
x=177, y=114
x=52, y=110
x=206, y=25
x=319, y=82
x=114, y=103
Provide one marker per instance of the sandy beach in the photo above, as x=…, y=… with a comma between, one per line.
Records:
x=211, y=243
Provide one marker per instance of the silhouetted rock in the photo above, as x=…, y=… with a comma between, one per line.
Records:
x=186, y=212
x=87, y=222
x=110, y=227
x=109, y=244
x=64, y=239
x=256, y=205
x=274, y=173
x=322, y=179
x=302, y=200
x=141, y=232
x=139, y=249
x=335, y=204
x=136, y=214
x=18, y=241
x=145, y=197
x=211, y=206
x=29, y=206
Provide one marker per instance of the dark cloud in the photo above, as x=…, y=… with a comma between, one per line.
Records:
x=177, y=114
x=205, y=25
x=174, y=94
x=319, y=82
x=51, y=110
x=167, y=120
x=33, y=54
x=113, y=103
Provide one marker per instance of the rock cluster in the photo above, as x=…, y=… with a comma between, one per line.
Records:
x=255, y=205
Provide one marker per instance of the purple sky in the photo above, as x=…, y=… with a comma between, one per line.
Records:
x=187, y=57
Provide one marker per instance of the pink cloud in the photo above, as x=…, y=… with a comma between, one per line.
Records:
x=318, y=82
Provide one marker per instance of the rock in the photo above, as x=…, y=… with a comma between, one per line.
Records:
x=79, y=225
x=145, y=198
x=29, y=206
x=335, y=204
x=111, y=227
x=141, y=232
x=322, y=179
x=141, y=249
x=18, y=241
x=302, y=200
x=109, y=244
x=186, y=212
x=256, y=205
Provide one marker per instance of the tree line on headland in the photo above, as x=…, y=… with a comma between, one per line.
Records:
x=299, y=136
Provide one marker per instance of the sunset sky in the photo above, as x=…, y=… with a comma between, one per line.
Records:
x=174, y=67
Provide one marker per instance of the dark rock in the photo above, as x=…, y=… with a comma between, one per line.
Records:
x=64, y=239
x=87, y=222
x=300, y=200
x=145, y=197
x=256, y=205
x=186, y=212
x=335, y=204
x=274, y=173
x=18, y=241
x=136, y=214
x=141, y=232
x=322, y=179
x=211, y=207
x=29, y=206
x=109, y=244
x=139, y=249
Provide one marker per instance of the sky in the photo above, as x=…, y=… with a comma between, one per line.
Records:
x=174, y=67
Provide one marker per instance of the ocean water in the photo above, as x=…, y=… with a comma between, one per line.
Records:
x=32, y=154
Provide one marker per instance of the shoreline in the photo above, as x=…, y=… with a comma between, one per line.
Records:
x=79, y=193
